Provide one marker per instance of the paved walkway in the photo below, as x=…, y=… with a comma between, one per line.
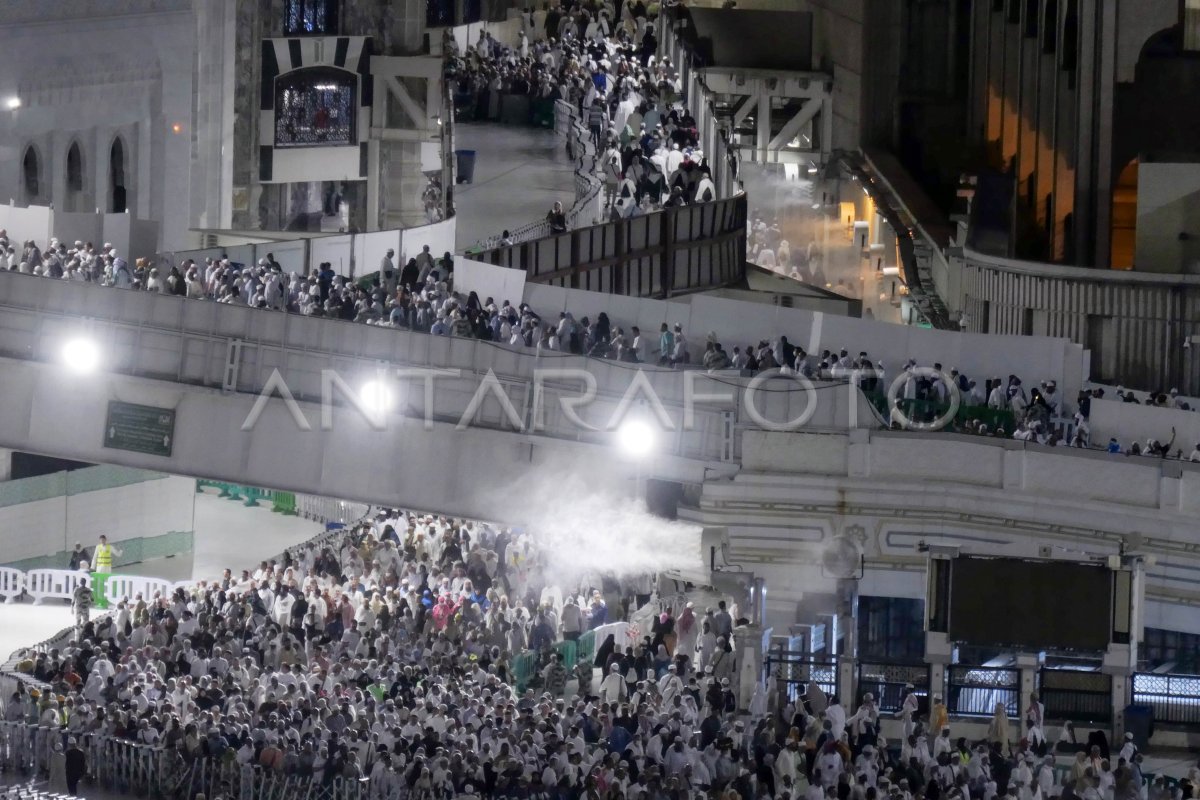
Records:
x=519, y=173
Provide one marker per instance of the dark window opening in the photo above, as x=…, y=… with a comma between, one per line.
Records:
x=310, y=17
x=315, y=107
x=1070, y=39
x=891, y=629
x=119, y=197
x=29, y=174
x=1178, y=651
x=439, y=13
x=74, y=169
x=1050, y=27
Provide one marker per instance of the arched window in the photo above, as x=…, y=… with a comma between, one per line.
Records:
x=310, y=17
x=118, y=195
x=315, y=107
x=74, y=198
x=31, y=174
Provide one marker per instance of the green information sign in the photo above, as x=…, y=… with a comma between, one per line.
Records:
x=140, y=429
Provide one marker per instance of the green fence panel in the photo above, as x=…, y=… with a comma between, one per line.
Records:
x=99, y=581
x=522, y=669
x=543, y=113
x=283, y=503
x=586, y=648
x=569, y=652
x=922, y=410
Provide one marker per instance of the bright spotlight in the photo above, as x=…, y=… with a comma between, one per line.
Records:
x=81, y=355
x=376, y=397
x=636, y=437
x=13, y=103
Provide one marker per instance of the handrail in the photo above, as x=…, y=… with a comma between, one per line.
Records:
x=1042, y=269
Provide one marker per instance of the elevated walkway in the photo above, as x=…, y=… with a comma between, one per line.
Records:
x=207, y=364
x=519, y=174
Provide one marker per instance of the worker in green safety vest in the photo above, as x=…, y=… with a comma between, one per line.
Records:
x=103, y=557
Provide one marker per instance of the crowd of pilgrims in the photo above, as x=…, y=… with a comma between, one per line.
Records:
x=385, y=656
x=602, y=59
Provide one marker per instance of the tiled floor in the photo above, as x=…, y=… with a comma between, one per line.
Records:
x=519, y=173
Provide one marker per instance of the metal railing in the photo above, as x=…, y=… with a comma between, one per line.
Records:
x=121, y=766
x=793, y=671
x=888, y=681
x=975, y=691
x=1174, y=698
x=1076, y=695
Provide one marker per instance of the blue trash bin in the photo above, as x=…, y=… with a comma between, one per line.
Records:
x=1139, y=720
x=466, y=165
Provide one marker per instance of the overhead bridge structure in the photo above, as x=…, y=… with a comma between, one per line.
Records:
x=466, y=413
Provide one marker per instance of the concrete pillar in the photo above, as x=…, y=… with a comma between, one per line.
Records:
x=939, y=654
x=762, y=125
x=103, y=159
x=1120, y=696
x=845, y=681
x=748, y=646
x=140, y=179
x=1028, y=664
x=937, y=681
x=56, y=171
x=5, y=464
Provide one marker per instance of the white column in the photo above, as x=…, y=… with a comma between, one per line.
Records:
x=5, y=464
x=747, y=642
x=762, y=126
x=141, y=179
x=101, y=167
x=1028, y=664
x=1120, y=695
x=55, y=171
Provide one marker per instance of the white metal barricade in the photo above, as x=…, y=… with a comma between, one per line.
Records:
x=128, y=587
x=618, y=630
x=57, y=584
x=12, y=584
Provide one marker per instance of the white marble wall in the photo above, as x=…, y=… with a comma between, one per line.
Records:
x=89, y=73
x=887, y=492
